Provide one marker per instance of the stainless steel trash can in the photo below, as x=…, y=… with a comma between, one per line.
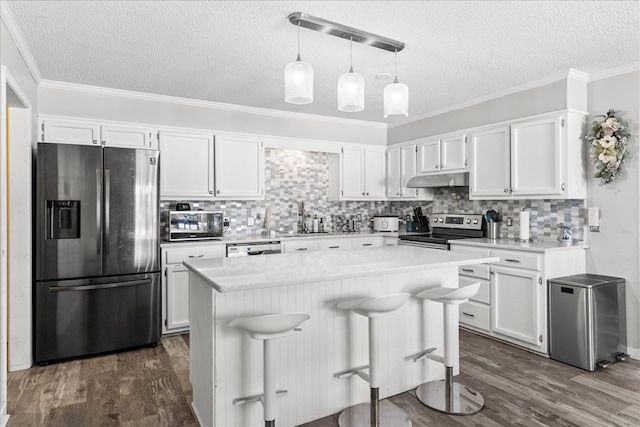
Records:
x=587, y=326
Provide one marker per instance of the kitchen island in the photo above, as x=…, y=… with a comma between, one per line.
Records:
x=226, y=364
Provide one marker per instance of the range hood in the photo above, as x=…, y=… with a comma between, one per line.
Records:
x=430, y=181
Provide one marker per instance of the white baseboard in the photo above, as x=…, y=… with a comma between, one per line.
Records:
x=20, y=366
x=634, y=353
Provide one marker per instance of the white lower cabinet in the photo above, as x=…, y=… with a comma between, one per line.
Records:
x=367, y=242
x=512, y=301
x=175, y=282
x=332, y=244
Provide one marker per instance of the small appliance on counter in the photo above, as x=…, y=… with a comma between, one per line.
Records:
x=386, y=222
x=192, y=225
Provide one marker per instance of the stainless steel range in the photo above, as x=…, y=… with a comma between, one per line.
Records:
x=447, y=227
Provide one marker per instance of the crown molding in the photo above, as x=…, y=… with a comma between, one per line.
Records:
x=96, y=90
x=16, y=35
x=616, y=71
x=571, y=74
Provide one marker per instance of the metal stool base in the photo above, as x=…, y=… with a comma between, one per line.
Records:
x=461, y=400
x=360, y=416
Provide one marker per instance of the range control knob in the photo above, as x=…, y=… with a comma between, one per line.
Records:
x=469, y=221
x=441, y=220
x=475, y=221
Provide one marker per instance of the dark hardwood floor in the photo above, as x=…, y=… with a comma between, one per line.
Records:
x=150, y=387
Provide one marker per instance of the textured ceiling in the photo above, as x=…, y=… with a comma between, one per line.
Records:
x=235, y=51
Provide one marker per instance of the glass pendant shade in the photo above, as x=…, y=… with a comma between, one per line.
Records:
x=396, y=99
x=351, y=92
x=298, y=82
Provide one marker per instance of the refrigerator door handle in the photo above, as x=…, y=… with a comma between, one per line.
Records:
x=98, y=209
x=94, y=287
x=107, y=197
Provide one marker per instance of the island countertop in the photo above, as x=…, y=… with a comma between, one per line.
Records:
x=246, y=273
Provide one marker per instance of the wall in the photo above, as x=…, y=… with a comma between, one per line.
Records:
x=543, y=99
x=91, y=103
x=615, y=250
x=20, y=146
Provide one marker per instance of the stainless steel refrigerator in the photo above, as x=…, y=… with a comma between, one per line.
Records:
x=97, y=286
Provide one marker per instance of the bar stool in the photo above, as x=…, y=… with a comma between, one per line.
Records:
x=266, y=328
x=375, y=413
x=445, y=395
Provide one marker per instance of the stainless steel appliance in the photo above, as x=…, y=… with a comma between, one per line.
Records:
x=253, y=248
x=192, y=225
x=97, y=281
x=447, y=227
x=587, y=326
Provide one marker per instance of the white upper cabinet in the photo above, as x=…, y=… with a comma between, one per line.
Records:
x=401, y=167
x=536, y=157
x=239, y=167
x=186, y=170
x=542, y=157
x=363, y=173
x=490, y=171
x=70, y=131
x=440, y=154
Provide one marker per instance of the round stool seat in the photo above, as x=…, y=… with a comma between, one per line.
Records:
x=270, y=326
x=450, y=295
x=375, y=306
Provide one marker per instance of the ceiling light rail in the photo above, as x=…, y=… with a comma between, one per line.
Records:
x=335, y=29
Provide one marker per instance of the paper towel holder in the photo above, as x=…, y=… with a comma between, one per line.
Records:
x=529, y=238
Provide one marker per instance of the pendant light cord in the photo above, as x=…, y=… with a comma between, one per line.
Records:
x=351, y=55
x=395, y=56
x=298, y=42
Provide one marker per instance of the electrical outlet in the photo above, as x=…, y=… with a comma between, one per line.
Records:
x=250, y=221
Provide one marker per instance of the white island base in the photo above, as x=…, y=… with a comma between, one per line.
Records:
x=226, y=363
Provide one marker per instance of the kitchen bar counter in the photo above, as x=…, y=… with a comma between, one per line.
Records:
x=226, y=364
x=517, y=245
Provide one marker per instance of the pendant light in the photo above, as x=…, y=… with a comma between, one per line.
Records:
x=396, y=95
x=351, y=89
x=298, y=80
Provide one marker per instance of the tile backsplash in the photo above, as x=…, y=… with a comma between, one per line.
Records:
x=292, y=176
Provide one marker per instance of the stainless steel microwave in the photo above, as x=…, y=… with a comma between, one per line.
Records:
x=193, y=225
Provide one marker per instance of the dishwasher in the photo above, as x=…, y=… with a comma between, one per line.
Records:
x=253, y=248
x=587, y=326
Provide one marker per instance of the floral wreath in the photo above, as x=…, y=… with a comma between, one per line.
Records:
x=609, y=146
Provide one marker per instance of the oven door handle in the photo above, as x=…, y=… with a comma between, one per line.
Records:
x=442, y=247
x=94, y=287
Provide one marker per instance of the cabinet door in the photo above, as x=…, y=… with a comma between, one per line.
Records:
x=374, y=173
x=127, y=137
x=453, y=153
x=429, y=156
x=536, y=157
x=186, y=165
x=516, y=311
x=71, y=132
x=394, y=173
x=408, y=170
x=353, y=173
x=239, y=167
x=490, y=163
x=177, y=298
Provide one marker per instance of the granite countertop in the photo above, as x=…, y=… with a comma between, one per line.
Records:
x=517, y=245
x=246, y=273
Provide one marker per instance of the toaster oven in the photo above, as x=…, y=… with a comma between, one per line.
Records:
x=193, y=225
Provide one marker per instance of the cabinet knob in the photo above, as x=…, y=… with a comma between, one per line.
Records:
x=367, y=194
x=363, y=194
x=95, y=141
x=210, y=191
x=437, y=166
x=506, y=190
x=104, y=142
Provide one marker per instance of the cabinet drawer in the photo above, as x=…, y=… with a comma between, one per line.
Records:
x=331, y=244
x=475, y=314
x=484, y=293
x=482, y=271
x=366, y=242
x=300, y=246
x=518, y=259
x=174, y=256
